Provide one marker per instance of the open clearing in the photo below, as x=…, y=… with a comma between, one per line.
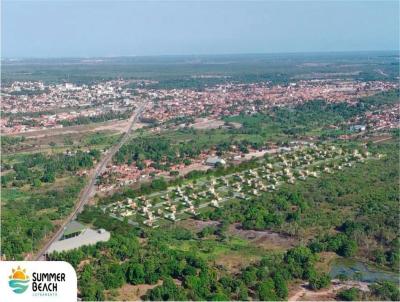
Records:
x=196, y=225
x=206, y=123
x=234, y=261
x=266, y=239
x=130, y=292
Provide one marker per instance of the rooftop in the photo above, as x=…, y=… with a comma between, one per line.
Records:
x=214, y=160
x=87, y=237
x=73, y=227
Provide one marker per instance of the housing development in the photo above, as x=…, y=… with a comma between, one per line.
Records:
x=179, y=202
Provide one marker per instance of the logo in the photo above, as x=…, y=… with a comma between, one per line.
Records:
x=19, y=280
x=37, y=281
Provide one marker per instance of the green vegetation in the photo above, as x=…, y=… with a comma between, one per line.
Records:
x=37, y=191
x=111, y=115
x=386, y=291
x=351, y=294
x=199, y=71
x=100, y=139
x=351, y=212
x=11, y=140
x=124, y=260
x=39, y=167
x=28, y=214
x=310, y=118
x=17, y=146
x=380, y=291
x=282, y=124
x=362, y=207
x=331, y=216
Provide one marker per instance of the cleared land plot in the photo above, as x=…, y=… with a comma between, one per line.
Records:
x=205, y=123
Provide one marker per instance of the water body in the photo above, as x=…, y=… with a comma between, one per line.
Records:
x=18, y=286
x=354, y=269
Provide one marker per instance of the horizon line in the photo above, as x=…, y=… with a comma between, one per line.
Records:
x=199, y=55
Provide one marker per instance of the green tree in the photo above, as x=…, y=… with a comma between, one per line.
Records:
x=319, y=281
x=280, y=286
x=266, y=291
x=348, y=248
x=111, y=275
x=135, y=273
x=49, y=176
x=386, y=290
x=36, y=183
x=351, y=294
x=168, y=291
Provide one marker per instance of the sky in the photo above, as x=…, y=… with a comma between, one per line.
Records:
x=145, y=28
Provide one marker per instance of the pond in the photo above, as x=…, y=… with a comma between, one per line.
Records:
x=358, y=270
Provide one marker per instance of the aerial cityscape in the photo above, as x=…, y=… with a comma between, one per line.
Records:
x=212, y=175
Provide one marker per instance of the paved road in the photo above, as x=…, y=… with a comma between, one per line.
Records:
x=90, y=188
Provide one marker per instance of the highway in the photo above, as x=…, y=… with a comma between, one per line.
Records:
x=90, y=188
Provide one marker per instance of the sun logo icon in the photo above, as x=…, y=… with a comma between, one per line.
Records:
x=19, y=280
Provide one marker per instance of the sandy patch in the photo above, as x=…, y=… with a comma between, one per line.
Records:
x=205, y=123
x=121, y=126
x=194, y=167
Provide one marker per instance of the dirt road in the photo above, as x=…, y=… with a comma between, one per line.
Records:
x=90, y=188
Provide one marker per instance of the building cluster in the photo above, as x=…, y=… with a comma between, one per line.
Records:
x=383, y=119
x=116, y=176
x=231, y=99
x=379, y=119
x=180, y=202
x=29, y=106
x=121, y=175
